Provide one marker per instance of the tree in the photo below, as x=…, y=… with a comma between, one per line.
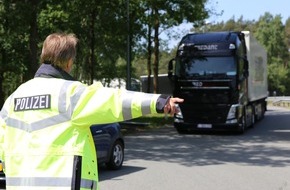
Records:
x=164, y=14
x=101, y=27
x=277, y=78
x=231, y=25
x=103, y=36
x=270, y=32
x=13, y=46
x=287, y=30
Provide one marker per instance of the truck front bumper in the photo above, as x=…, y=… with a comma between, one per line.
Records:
x=183, y=127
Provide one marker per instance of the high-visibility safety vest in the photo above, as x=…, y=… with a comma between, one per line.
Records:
x=47, y=139
x=2, y=134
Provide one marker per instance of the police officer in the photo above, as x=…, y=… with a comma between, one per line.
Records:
x=47, y=139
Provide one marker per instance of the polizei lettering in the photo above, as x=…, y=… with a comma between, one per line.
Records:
x=32, y=103
x=206, y=47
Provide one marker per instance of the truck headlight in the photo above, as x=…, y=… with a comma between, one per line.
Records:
x=179, y=113
x=233, y=112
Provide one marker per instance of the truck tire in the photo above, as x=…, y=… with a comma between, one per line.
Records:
x=181, y=131
x=243, y=124
x=242, y=129
x=253, y=117
x=264, y=109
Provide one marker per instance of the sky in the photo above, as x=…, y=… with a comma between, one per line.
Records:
x=249, y=9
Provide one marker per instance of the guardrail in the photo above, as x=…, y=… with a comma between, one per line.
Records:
x=279, y=101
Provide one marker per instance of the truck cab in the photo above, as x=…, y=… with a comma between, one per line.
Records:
x=211, y=74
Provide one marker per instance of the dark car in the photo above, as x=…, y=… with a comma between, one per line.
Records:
x=109, y=144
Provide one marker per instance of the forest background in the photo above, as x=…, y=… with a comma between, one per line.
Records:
x=105, y=28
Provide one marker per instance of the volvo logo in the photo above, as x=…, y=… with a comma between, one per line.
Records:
x=197, y=83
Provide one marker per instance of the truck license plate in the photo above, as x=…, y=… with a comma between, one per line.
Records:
x=205, y=126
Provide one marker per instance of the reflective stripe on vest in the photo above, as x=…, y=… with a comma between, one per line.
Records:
x=127, y=98
x=63, y=115
x=66, y=112
x=48, y=182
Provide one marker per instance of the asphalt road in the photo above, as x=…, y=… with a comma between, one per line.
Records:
x=164, y=160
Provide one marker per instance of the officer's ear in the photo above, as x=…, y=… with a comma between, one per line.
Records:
x=69, y=65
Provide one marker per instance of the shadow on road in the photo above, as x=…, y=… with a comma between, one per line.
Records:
x=106, y=174
x=268, y=143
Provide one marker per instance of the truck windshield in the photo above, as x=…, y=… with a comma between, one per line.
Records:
x=207, y=66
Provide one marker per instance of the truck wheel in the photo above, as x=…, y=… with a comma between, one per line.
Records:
x=264, y=109
x=253, y=117
x=181, y=131
x=243, y=125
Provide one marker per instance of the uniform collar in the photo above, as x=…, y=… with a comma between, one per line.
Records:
x=50, y=71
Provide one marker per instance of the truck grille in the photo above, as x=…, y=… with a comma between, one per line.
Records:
x=204, y=114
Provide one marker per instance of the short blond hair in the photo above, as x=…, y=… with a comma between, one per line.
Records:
x=58, y=49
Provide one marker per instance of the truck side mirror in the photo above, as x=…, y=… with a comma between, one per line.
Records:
x=170, y=68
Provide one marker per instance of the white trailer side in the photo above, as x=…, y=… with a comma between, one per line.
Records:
x=257, y=57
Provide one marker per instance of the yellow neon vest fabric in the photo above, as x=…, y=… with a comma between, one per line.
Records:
x=48, y=122
x=2, y=135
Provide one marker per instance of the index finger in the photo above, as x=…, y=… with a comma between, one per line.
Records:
x=177, y=100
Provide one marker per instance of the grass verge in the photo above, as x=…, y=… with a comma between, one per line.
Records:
x=145, y=123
